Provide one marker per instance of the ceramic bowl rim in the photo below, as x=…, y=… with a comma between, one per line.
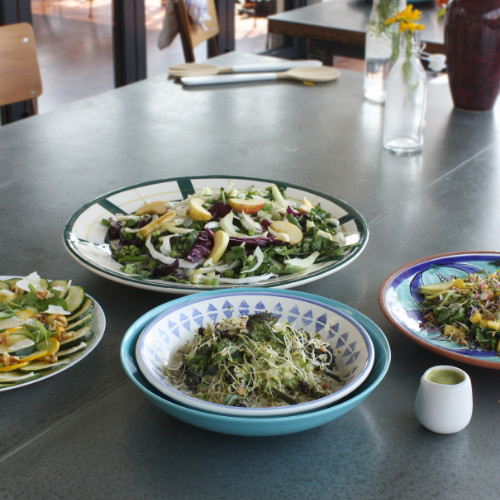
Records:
x=263, y=426
x=190, y=401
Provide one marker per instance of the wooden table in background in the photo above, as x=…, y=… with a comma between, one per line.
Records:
x=337, y=27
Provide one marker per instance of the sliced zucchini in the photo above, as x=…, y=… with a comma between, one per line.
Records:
x=59, y=284
x=11, y=368
x=75, y=298
x=81, y=335
x=12, y=281
x=4, y=285
x=35, y=355
x=19, y=345
x=26, y=313
x=60, y=288
x=43, y=348
x=10, y=323
x=14, y=377
x=79, y=323
x=71, y=350
x=44, y=283
x=41, y=366
x=87, y=306
x=51, y=345
x=436, y=287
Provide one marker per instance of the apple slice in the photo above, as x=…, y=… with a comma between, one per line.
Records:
x=251, y=206
x=196, y=210
x=306, y=207
x=293, y=234
x=154, y=207
x=221, y=240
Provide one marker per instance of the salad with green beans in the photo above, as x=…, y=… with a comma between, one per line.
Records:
x=465, y=311
x=225, y=236
x=255, y=361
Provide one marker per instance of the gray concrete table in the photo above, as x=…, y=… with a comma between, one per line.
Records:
x=338, y=27
x=89, y=433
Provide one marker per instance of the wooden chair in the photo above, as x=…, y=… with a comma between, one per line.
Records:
x=193, y=34
x=20, y=78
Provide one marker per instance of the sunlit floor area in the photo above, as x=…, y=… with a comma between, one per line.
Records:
x=74, y=41
x=76, y=53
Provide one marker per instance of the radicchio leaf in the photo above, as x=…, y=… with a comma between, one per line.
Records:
x=264, y=223
x=219, y=210
x=290, y=210
x=258, y=241
x=165, y=269
x=202, y=246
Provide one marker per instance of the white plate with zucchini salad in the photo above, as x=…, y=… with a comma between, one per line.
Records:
x=191, y=234
x=45, y=328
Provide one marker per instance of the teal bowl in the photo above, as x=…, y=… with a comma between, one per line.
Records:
x=256, y=426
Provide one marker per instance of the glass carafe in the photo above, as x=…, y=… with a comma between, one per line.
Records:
x=404, y=113
x=379, y=48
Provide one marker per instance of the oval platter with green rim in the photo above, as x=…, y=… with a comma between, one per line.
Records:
x=85, y=237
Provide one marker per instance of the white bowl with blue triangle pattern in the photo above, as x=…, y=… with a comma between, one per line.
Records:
x=168, y=332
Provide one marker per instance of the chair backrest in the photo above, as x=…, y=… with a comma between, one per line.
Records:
x=20, y=78
x=193, y=34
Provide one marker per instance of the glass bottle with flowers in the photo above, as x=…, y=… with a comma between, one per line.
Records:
x=379, y=48
x=404, y=114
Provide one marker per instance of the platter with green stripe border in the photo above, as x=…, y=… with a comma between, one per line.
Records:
x=85, y=237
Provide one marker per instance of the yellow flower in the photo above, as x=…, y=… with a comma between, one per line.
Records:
x=392, y=20
x=409, y=26
x=411, y=15
x=407, y=20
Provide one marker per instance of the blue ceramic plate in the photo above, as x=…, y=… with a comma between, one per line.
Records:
x=85, y=237
x=400, y=300
x=258, y=426
x=171, y=330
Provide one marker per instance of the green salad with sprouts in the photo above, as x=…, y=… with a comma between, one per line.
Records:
x=255, y=361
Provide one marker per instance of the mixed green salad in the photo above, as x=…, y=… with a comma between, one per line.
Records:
x=43, y=324
x=225, y=236
x=465, y=310
x=255, y=361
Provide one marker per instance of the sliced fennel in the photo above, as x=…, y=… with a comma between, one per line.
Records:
x=178, y=249
x=297, y=265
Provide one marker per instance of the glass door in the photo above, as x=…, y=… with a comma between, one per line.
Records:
x=251, y=33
